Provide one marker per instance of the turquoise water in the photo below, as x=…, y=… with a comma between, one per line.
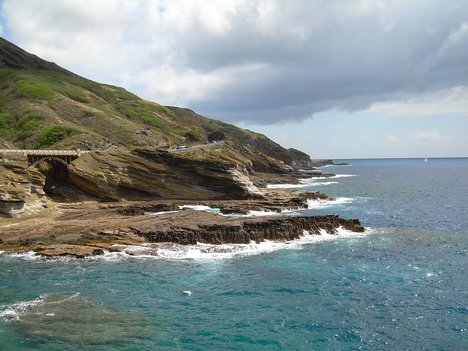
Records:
x=403, y=286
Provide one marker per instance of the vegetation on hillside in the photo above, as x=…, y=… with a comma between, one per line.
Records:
x=44, y=105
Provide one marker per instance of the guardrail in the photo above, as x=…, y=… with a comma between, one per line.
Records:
x=44, y=152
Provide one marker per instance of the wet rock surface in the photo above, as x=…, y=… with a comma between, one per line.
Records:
x=92, y=228
x=258, y=230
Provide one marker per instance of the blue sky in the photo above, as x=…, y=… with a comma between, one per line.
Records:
x=339, y=136
x=336, y=79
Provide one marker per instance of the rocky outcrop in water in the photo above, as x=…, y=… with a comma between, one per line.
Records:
x=258, y=230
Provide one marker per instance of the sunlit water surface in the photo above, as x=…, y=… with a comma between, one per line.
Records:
x=402, y=286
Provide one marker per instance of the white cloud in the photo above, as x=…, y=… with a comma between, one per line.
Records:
x=459, y=34
x=262, y=61
x=430, y=135
x=453, y=101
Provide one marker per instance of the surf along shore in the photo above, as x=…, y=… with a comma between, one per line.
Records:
x=89, y=228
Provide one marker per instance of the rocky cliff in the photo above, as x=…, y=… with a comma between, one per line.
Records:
x=45, y=106
x=145, y=175
x=20, y=189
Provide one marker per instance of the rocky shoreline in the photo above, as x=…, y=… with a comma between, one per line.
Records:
x=53, y=214
x=85, y=229
x=258, y=230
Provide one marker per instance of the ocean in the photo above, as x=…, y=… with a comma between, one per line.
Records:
x=402, y=285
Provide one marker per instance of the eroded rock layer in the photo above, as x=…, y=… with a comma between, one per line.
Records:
x=259, y=230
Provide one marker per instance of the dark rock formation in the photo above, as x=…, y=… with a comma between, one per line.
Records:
x=216, y=136
x=299, y=159
x=142, y=208
x=274, y=202
x=13, y=56
x=258, y=230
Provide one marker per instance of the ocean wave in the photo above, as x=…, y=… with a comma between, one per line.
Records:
x=251, y=213
x=16, y=311
x=29, y=255
x=334, y=165
x=303, y=183
x=326, y=177
x=173, y=251
x=319, y=203
x=343, y=176
x=201, y=251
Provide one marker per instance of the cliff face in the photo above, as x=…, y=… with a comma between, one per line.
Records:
x=144, y=175
x=45, y=106
x=20, y=188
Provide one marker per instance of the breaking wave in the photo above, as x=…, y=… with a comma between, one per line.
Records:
x=74, y=318
x=319, y=203
x=172, y=251
x=303, y=183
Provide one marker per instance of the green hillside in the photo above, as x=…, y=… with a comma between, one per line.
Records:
x=45, y=106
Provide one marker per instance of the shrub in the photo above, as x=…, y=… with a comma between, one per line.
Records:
x=53, y=134
x=27, y=126
x=139, y=111
x=5, y=125
x=75, y=94
x=34, y=89
x=192, y=135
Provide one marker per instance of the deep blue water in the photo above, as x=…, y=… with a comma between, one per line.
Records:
x=402, y=287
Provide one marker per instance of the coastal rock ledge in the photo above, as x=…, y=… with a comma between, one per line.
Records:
x=243, y=232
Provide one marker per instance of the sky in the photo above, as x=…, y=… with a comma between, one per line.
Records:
x=334, y=78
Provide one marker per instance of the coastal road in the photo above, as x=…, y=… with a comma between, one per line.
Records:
x=188, y=148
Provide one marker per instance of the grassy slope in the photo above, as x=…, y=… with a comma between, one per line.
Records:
x=43, y=105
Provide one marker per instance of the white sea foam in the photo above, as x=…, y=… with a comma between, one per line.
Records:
x=286, y=186
x=303, y=183
x=196, y=207
x=321, y=183
x=251, y=213
x=29, y=255
x=172, y=251
x=319, y=203
x=202, y=208
x=259, y=213
x=331, y=177
x=15, y=311
x=159, y=213
x=334, y=165
x=343, y=175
